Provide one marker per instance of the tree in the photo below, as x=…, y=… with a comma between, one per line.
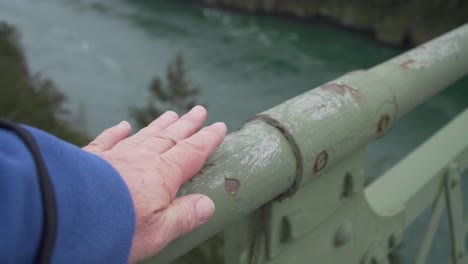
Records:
x=176, y=94
x=31, y=98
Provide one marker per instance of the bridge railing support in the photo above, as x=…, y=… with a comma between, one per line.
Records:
x=294, y=172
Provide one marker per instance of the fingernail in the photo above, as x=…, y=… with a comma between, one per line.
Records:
x=123, y=124
x=198, y=108
x=170, y=115
x=220, y=125
x=205, y=209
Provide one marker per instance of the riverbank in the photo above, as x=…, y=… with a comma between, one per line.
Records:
x=392, y=22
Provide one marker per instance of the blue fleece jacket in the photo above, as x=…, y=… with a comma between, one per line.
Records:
x=58, y=203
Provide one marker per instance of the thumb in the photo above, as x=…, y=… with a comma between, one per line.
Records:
x=186, y=213
x=180, y=217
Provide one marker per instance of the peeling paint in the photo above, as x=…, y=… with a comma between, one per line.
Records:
x=341, y=89
x=285, y=131
x=407, y=63
x=428, y=54
x=318, y=105
x=248, y=153
x=321, y=161
x=338, y=88
x=383, y=124
x=259, y=154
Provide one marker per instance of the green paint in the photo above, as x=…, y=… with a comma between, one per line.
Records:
x=336, y=121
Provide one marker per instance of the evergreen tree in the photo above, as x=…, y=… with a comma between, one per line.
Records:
x=30, y=98
x=175, y=94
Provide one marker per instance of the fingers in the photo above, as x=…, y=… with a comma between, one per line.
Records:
x=186, y=126
x=164, y=120
x=187, y=157
x=109, y=137
x=153, y=128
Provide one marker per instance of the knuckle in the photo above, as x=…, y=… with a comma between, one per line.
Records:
x=144, y=133
x=151, y=129
x=136, y=139
x=175, y=166
x=198, y=147
x=169, y=189
x=158, y=143
x=188, y=122
x=166, y=138
x=94, y=145
x=109, y=132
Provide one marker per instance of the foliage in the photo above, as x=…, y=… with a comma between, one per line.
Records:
x=176, y=94
x=30, y=98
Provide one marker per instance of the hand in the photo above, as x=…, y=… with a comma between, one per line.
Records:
x=154, y=163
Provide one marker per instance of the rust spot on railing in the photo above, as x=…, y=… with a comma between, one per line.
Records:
x=341, y=89
x=407, y=63
x=231, y=185
x=337, y=88
x=383, y=124
x=321, y=161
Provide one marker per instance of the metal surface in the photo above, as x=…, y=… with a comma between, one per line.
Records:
x=455, y=208
x=311, y=147
x=251, y=167
x=369, y=223
x=439, y=207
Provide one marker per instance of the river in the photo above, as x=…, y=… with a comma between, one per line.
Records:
x=103, y=54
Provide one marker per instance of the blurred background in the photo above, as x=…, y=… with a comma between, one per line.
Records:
x=76, y=67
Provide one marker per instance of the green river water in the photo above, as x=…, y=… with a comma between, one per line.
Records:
x=102, y=55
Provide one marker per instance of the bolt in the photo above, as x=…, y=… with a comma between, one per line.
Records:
x=321, y=161
x=231, y=185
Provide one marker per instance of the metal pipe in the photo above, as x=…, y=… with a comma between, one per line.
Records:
x=250, y=168
x=296, y=141
x=415, y=182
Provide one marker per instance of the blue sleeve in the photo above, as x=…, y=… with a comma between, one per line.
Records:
x=94, y=213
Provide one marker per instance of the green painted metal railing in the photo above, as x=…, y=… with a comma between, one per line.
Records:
x=289, y=185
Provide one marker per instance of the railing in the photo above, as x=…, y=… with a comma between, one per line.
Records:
x=289, y=185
